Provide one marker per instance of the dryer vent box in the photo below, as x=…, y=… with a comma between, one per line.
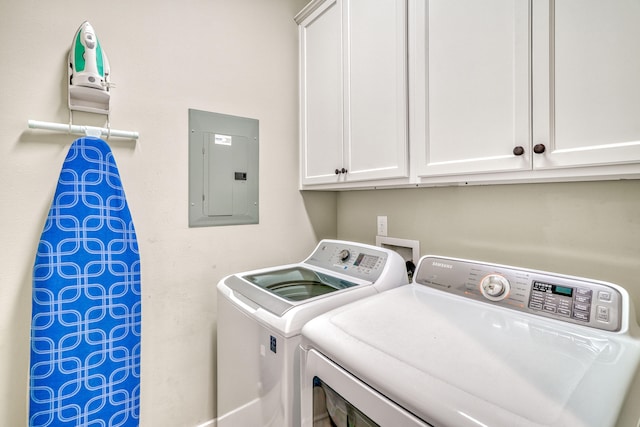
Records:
x=223, y=169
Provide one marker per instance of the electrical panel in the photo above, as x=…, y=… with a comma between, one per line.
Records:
x=223, y=169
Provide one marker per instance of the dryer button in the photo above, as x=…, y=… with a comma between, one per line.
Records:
x=602, y=313
x=604, y=296
x=535, y=305
x=584, y=291
x=580, y=315
x=583, y=299
x=581, y=307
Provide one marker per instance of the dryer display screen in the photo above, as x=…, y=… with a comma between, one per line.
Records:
x=562, y=290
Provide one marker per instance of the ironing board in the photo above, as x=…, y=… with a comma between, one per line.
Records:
x=86, y=318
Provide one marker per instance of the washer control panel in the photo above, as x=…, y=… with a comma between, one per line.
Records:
x=364, y=262
x=569, y=299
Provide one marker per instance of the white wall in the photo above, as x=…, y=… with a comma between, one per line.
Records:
x=589, y=229
x=234, y=57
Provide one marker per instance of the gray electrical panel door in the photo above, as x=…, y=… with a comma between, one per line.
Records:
x=223, y=169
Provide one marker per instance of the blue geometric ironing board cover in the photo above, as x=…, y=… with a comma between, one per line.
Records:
x=86, y=317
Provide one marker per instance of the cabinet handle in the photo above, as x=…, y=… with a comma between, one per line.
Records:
x=339, y=171
x=539, y=148
x=518, y=151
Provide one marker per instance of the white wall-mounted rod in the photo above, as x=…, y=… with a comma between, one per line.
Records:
x=82, y=130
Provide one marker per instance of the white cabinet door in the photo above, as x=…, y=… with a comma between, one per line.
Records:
x=470, y=86
x=586, y=70
x=353, y=85
x=321, y=123
x=376, y=89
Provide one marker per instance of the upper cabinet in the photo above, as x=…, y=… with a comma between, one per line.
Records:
x=586, y=82
x=470, y=91
x=353, y=92
x=519, y=90
x=497, y=91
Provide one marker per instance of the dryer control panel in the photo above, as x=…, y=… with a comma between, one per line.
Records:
x=566, y=298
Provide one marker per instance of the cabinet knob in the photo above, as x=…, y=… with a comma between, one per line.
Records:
x=518, y=151
x=337, y=171
x=539, y=148
x=343, y=170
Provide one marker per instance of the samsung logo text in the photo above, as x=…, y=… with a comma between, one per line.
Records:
x=441, y=265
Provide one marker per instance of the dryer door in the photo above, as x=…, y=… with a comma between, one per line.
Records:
x=331, y=396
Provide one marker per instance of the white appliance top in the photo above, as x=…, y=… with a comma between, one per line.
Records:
x=336, y=272
x=472, y=344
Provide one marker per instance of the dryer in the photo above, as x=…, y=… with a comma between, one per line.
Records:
x=260, y=316
x=475, y=344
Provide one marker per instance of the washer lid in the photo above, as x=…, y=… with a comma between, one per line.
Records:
x=279, y=290
x=297, y=283
x=453, y=361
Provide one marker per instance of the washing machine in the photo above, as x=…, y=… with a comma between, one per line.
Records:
x=261, y=313
x=475, y=344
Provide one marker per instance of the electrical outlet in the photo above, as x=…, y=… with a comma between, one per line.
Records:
x=382, y=226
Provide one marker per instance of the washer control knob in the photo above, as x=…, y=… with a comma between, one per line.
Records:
x=494, y=287
x=344, y=255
